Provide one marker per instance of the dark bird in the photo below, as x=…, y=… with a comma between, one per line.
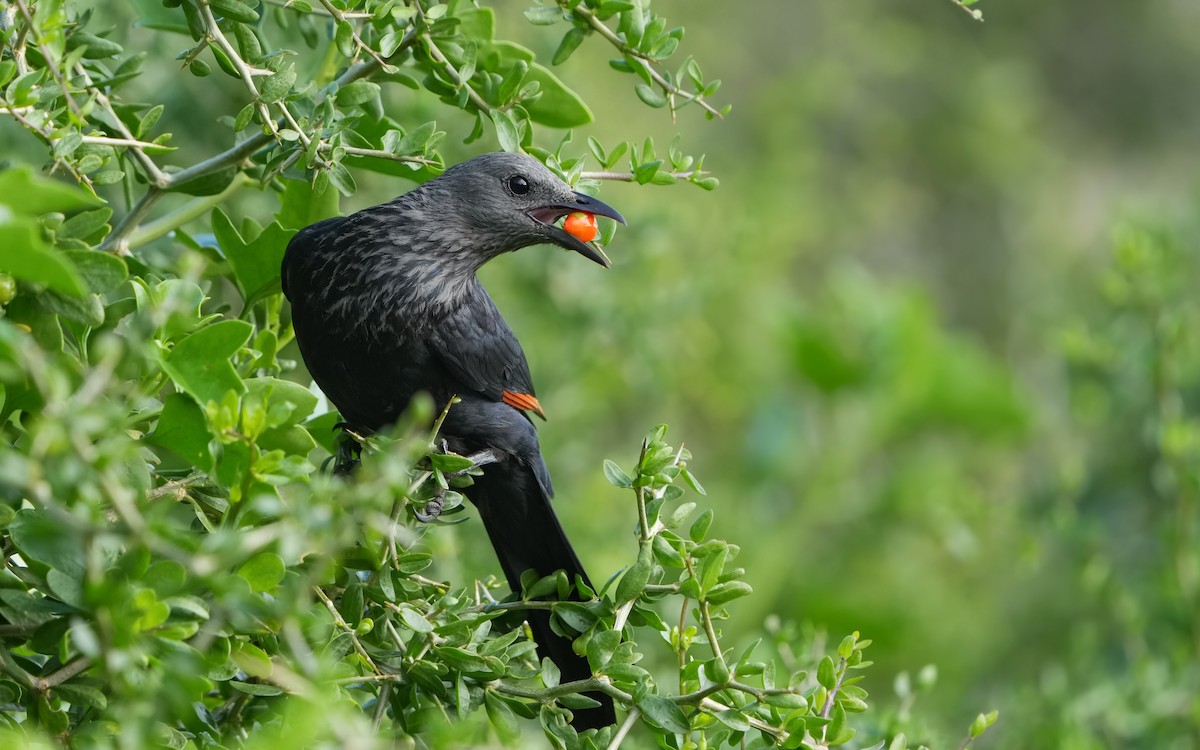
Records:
x=386, y=305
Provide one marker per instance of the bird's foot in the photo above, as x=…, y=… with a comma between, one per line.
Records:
x=433, y=509
x=348, y=457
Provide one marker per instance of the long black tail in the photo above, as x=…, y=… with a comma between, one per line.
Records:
x=526, y=534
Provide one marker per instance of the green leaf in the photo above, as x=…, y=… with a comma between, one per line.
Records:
x=837, y=726
x=78, y=694
x=723, y=593
x=477, y=23
x=86, y=309
x=574, y=615
x=66, y=588
x=149, y=120
x=277, y=85
x=570, y=42
x=616, y=476
x=89, y=226
x=47, y=541
x=233, y=10
x=664, y=713
x=356, y=93
x=183, y=430
x=301, y=205
x=263, y=572
x=415, y=620
x=200, y=363
x=700, y=526
x=289, y=403
x=460, y=658
x=256, y=688
x=633, y=583
x=25, y=256
x=712, y=567
x=650, y=96
x=506, y=131
x=734, y=719
x=501, y=717
x=450, y=463
x=544, y=15
x=601, y=647
x=255, y=263
x=99, y=271
x=693, y=482
x=344, y=38
x=558, y=106
x=826, y=675
x=32, y=195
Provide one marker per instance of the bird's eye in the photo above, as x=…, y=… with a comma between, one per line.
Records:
x=518, y=184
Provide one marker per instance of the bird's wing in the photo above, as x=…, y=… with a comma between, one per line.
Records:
x=481, y=351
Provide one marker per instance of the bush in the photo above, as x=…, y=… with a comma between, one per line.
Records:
x=177, y=570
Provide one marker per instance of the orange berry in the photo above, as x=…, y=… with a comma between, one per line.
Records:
x=581, y=226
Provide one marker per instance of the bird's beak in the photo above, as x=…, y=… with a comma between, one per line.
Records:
x=587, y=204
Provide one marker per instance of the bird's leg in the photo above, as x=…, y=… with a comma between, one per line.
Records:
x=348, y=457
x=480, y=458
x=433, y=509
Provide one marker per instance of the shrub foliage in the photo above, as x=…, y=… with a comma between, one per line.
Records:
x=177, y=569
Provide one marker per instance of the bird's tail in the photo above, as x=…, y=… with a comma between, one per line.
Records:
x=527, y=535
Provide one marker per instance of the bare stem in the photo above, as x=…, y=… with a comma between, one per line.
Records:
x=592, y=684
x=341, y=623
x=63, y=674
x=630, y=720
x=831, y=698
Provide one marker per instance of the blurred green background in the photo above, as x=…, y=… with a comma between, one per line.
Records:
x=930, y=342
x=896, y=343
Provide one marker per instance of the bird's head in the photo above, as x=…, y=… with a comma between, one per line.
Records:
x=510, y=201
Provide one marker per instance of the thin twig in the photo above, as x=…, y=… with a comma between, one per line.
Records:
x=104, y=140
x=339, y=17
x=978, y=16
x=631, y=177
x=455, y=76
x=758, y=724
x=218, y=37
x=319, y=11
x=341, y=623
x=831, y=698
x=193, y=209
x=671, y=89
x=153, y=173
x=54, y=71
x=377, y=154
x=626, y=725
x=46, y=137
x=545, y=695
x=63, y=674
x=176, y=488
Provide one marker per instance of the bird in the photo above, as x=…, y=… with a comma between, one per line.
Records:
x=386, y=305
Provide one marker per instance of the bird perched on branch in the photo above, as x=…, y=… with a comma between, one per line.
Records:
x=385, y=305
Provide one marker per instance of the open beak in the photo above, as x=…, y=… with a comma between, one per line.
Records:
x=587, y=204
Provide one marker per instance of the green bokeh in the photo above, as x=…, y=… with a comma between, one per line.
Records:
x=925, y=394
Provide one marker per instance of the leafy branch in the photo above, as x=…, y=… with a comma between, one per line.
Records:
x=644, y=62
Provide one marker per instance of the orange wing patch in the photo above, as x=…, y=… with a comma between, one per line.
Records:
x=524, y=402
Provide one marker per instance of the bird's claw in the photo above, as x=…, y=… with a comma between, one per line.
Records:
x=348, y=457
x=433, y=509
